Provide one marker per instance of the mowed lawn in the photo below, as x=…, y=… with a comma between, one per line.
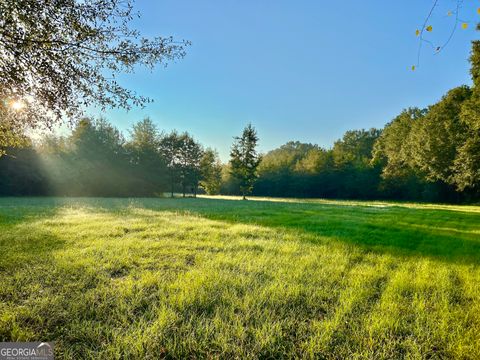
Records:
x=221, y=278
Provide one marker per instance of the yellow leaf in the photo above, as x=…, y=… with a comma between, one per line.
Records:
x=449, y=13
x=413, y=67
x=464, y=25
x=478, y=10
x=429, y=28
x=417, y=32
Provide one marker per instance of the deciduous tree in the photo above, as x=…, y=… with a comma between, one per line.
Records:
x=211, y=172
x=189, y=156
x=59, y=56
x=170, y=149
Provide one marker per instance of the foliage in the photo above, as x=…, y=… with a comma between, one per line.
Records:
x=60, y=56
x=21, y=173
x=314, y=160
x=96, y=160
x=211, y=172
x=391, y=150
x=434, y=140
x=467, y=162
x=190, y=154
x=11, y=136
x=456, y=22
x=244, y=159
x=169, y=147
x=146, y=159
x=285, y=157
x=424, y=154
x=355, y=148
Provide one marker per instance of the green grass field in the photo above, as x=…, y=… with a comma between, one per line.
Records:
x=218, y=278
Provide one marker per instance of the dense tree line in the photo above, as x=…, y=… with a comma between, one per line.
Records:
x=428, y=154
x=97, y=160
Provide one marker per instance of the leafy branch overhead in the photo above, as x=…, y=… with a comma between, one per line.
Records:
x=60, y=56
x=427, y=27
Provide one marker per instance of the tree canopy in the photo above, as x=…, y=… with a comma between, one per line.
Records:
x=57, y=57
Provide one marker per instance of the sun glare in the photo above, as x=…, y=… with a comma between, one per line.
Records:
x=17, y=105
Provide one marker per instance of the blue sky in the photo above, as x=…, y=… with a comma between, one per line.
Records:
x=298, y=70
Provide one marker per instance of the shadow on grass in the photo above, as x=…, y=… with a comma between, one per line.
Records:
x=16, y=210
x=22, y=240
x=439, y=234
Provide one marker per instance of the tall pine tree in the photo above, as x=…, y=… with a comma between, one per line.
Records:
x=244, y=160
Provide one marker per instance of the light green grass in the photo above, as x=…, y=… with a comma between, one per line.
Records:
x=218, y=278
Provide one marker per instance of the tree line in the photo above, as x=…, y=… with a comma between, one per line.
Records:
x=97, y=160
x=430, y=154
